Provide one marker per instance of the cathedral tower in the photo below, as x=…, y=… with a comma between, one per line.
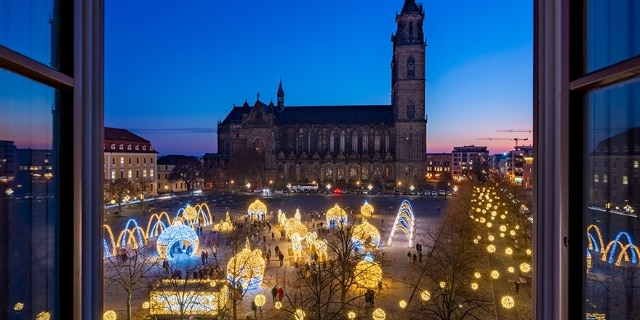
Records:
x=408, y=95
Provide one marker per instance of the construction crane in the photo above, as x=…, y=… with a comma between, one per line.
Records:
x=514, y=139
x=515, y=130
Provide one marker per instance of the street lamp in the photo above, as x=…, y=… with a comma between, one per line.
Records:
x=248, y=186
x=328, y=188
x=369, y=187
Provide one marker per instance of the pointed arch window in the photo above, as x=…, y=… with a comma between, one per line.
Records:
x=354, y=141
x=365, y=142
x=386, y=142
x=376, y=146
x=342, y=141
x=319, y=141
x=331, y=139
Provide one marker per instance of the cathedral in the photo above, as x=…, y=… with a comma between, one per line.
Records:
x=352, y=146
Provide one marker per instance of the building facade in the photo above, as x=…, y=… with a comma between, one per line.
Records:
x=466, y=159
x=384, y=145
x=438, y=166
x=166, y=164
x=129, y=156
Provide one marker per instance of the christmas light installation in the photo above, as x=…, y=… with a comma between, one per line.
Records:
x=405, y=222
x=336, y=215
x=296, y=231
x=368, y=273
x=247, y=267
x=192, y=297
x=257, y=210
x=365, y=234
x=225, y=225
x=366, y=210
x=178, y=237
x=282, y=218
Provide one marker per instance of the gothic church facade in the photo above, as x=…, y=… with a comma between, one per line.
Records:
x=351, y=145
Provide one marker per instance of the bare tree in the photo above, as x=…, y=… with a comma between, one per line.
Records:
x=187, y=169
x=117, y=190
x=247, y=165
x=448, y=272
x=131, y=270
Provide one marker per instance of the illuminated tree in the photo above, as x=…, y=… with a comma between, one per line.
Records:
x=131, y=270
x=447, y=274
x=116, y=191
x=330, y=289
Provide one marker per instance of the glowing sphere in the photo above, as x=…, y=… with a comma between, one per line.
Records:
x=260, y=299
x=190, y=212
x=495, y=274
x=179, y=234
x=474, y=286
x=257, y=209
x=477, y=275
x=507, y=302
x=109, y=315
x=525, y=267
x=299, y=315
x=491, y=238
x=443, y=284
x=491, y=248
x=44, y=315
x=511, y=269
x=335, y=215
x=528, y=251
x=489, y=224
x=425, y=295
x=362, y=232
x=503, y=228
x=278, y=305
x=403, y=304
x=368, y=273
x=145, y=305
x=378, y=314
x=366, y=210
x=247, y=267
x=512, y=232
x=18, y=306
x=508, y=251
x=351, y=315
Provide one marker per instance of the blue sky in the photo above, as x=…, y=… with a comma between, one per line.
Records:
x=174, y=69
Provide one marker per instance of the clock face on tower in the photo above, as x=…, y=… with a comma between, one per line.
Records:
x=411, y=65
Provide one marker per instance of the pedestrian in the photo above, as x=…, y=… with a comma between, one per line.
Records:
x=280, y=294
x=203, y=256
x=414, y=258
x=264, y=239
x=274, y=293
x=273, y=236
x=281, y=257
x=517, y=286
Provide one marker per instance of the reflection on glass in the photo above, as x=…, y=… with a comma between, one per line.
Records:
x=612, y=226
x=612, y=32
x=26, y=27
x=28, y=198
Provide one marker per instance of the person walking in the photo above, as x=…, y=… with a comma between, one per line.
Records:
x=281, y=257
x=274, y=293
x=280, y=294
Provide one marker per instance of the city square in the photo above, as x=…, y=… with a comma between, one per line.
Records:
x=396, y=292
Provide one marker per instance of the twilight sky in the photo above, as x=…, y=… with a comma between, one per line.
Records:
x=174, y=69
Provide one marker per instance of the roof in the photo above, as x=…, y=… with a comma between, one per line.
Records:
x=322, y=115
x=117, y=134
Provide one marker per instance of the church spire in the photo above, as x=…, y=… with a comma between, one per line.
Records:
x=280, y=96
x=410, y=6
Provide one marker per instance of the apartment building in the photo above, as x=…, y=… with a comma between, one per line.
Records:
x=466, y=159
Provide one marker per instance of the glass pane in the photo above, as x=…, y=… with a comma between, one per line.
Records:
x=26, y=27
x=28, y=199
x=612, y=189
x=612, y=32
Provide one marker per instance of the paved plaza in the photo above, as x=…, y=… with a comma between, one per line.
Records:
x=399, y=271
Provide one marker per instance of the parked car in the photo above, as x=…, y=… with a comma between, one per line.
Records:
x=434, y=193
x=442, y=193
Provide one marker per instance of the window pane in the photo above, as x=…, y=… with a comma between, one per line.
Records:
x=613, y=32
x=26, y=27
x=28, y=198
x=611, y=218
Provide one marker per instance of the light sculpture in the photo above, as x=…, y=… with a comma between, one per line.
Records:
x=508, y=302
x=226, y=225
x=109, y=315
x=425, y=295
x=405, y=222
x=299, y=314
x=366, y=210
x=365, y=233
x=257, y=210
x=193, y=297
x=378, y=314
x=368, y=273
x=246, y=267
x=177, y=235
x=282, y=218
x=260, y=299
x=336, y=215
